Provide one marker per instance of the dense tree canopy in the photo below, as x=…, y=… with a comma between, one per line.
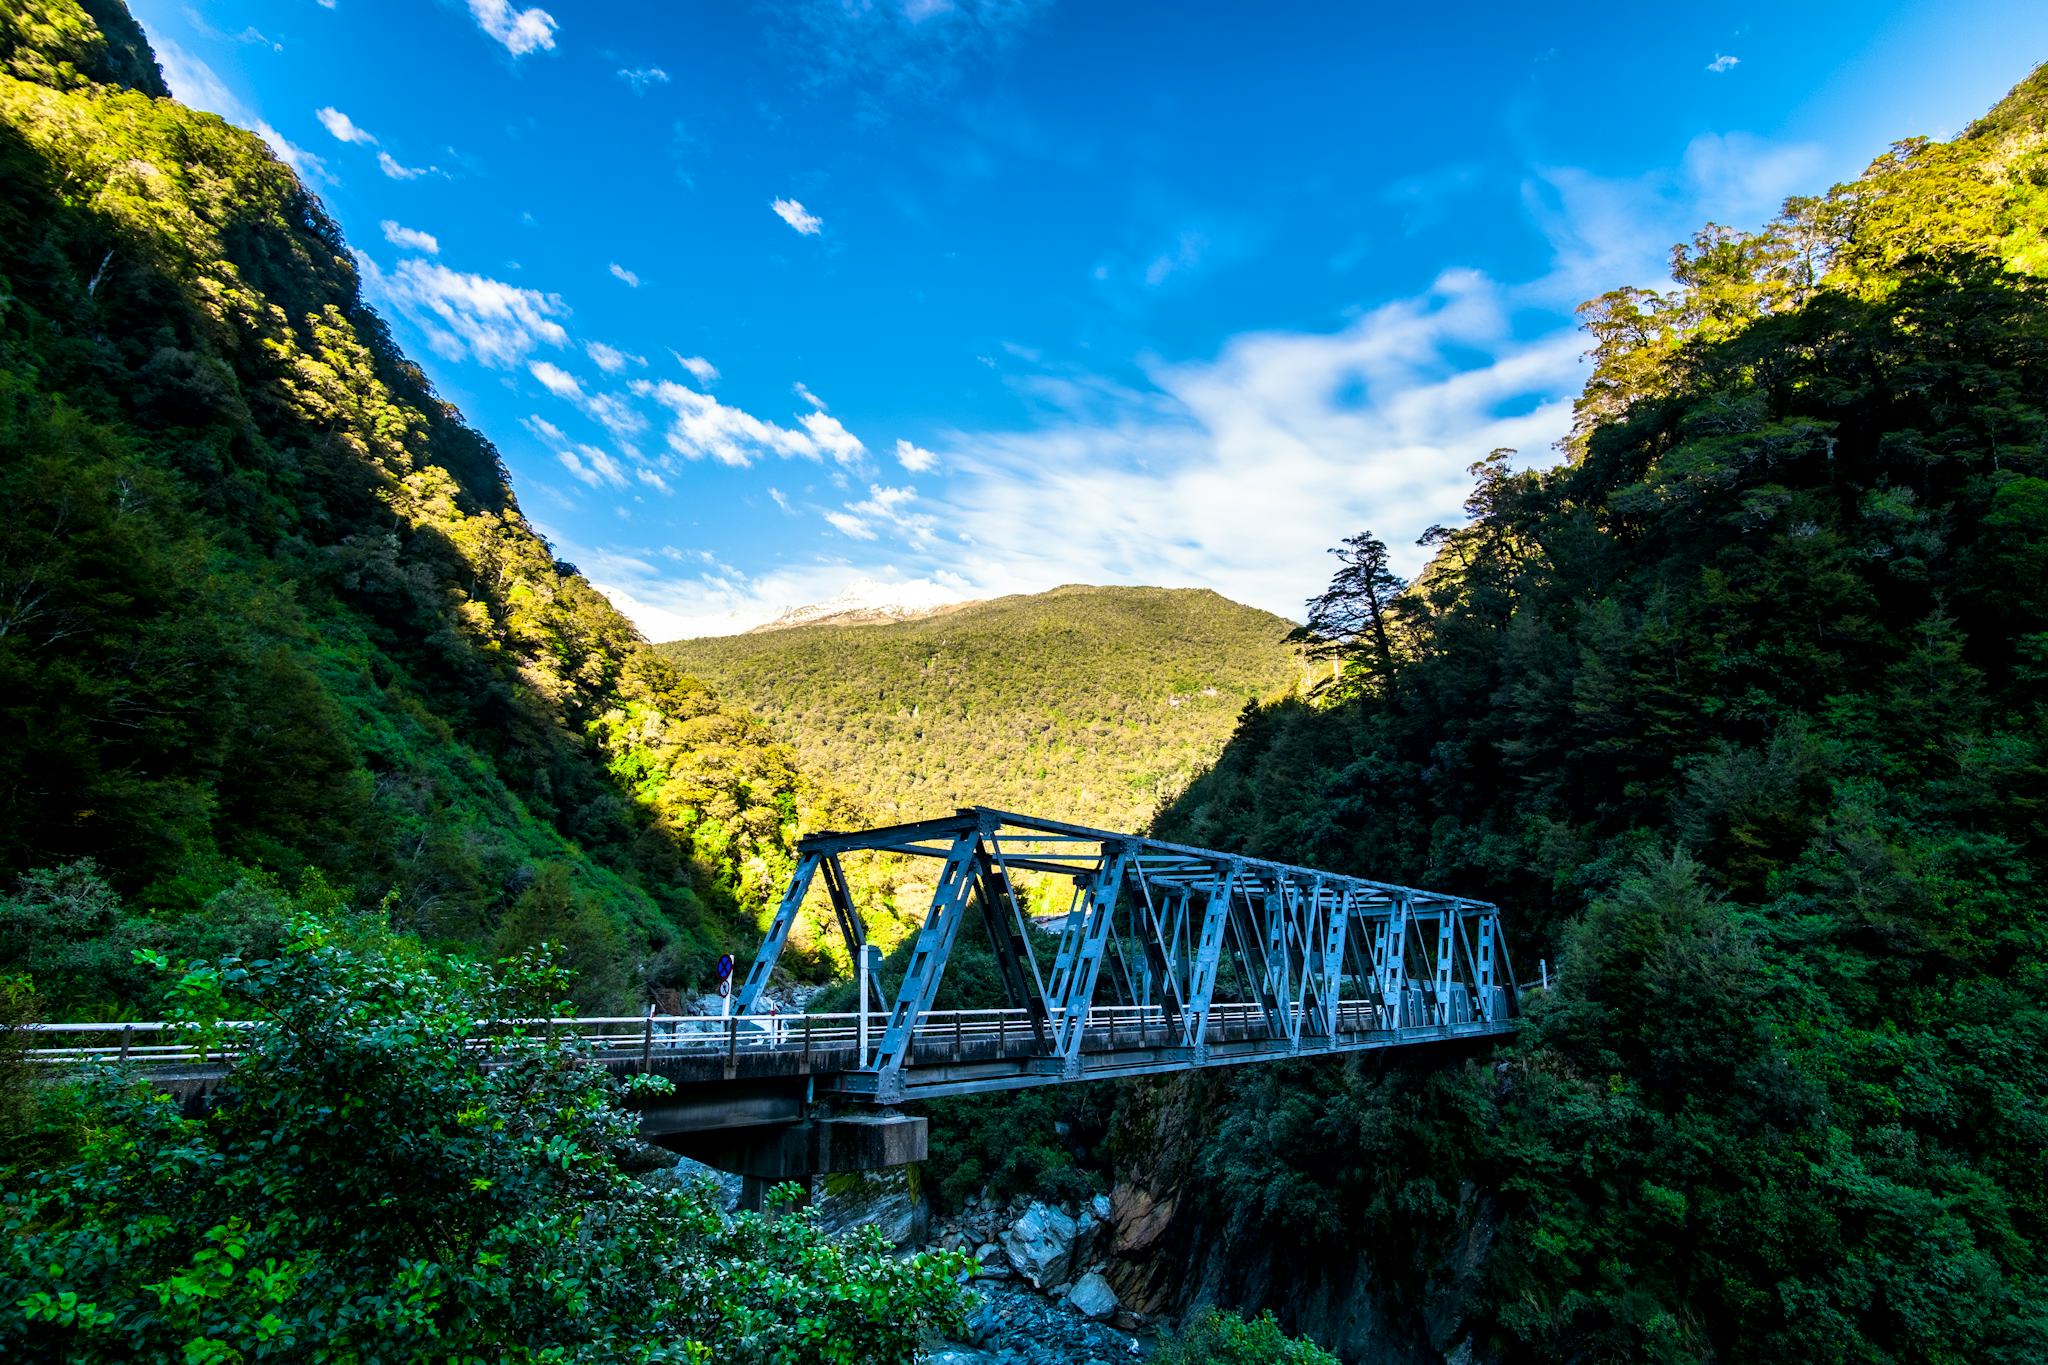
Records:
x=386, y=1175
x=267, y=604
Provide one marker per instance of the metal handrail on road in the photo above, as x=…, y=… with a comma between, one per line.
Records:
x=650, y=1034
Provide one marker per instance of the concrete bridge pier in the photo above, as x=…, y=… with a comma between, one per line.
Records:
x=765, y=1157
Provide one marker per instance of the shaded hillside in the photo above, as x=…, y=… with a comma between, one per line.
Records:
x=1088, y=704
x=1740, y=713
x=268, y=607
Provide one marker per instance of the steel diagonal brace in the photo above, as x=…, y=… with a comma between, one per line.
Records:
x=778, y=933
x=927, y=964
x=1158, y=941
x=851, y=927
x=1097, y=912
x=1006, y=934
x=1208, y=958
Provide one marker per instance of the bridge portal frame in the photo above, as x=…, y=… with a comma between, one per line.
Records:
x=1332, y=963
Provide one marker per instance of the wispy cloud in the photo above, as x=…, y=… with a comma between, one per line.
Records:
x=609, y=410
x=468, y=317
x=520, y=30
x=916, y=459
x=642, y=77
x=1723, y=62
x=797, y=216
x=701, y=370
x=611, y=359
x=410, y=239
x=886, y=509
x=398, y=170
x=342, y=126
x=625, y=276
x=701, y=427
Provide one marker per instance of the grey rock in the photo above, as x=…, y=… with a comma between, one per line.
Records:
x=1099, y=1206
x=1091, y=1295
x=1041, y=1245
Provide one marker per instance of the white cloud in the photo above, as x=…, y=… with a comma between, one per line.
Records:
x=916, y=459
x=557, y=380
x=701, y=370
x=611, y=359
x=804, y=393
x=1723, y=62
x=781, y=500
x=651, y=479
x=342, y=126
x=625, y=276
x=704, y=427
x=849, y=524
x=410, y=239
x=610, y=410
x=885, y=508
x=466, y=316
x=641, y=77
x=794, y=214
x=398, y=170
x=546, y=430
x=520, y=30
x=592, y=466
x=832, y=437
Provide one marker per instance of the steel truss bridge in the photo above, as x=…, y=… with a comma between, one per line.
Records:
x=1168, y=958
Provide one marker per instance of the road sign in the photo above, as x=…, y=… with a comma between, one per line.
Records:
x=725, y=988
x=725, y=967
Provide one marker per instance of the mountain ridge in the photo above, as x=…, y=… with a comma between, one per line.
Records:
x=1089, y=702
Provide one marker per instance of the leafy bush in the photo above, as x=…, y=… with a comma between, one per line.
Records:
x=1214, y=1337
x=366, y=1188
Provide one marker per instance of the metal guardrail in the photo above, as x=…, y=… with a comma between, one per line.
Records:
x=159, y=1043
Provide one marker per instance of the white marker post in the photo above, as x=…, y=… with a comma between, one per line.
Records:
x=867, y=954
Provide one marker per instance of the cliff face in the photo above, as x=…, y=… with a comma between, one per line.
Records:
x=1402, y=1302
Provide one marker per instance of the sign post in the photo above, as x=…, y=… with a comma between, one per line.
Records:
x=725, y=986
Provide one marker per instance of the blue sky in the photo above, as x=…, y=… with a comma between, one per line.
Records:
x=918, y=300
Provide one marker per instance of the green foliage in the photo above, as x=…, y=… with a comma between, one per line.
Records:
x=1740, y=711
x=266, y=603
x=1090, y=704
x=386, y=1176
x=1213, y=1337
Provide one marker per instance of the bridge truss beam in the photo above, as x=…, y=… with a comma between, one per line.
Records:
x=1160, y=934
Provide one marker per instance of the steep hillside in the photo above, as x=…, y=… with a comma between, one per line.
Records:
x=1090, y=704
x=268, y=607
x=1742, y=711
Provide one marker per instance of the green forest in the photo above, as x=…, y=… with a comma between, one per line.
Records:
x=1097, y=705
x=1740, y=709
x=269, y=612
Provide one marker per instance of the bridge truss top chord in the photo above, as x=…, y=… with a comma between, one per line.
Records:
x=1183, y=940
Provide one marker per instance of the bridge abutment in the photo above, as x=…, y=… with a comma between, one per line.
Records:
x=822, y=1145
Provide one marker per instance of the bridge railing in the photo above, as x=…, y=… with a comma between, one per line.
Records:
x=159, y=1043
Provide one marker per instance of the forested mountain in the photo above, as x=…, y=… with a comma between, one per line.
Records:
x=1087, y=704
x=1740, y=712
x=268, y=608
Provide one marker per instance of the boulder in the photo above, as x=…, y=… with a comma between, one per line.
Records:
x=1040, y=1245
x=1092, y=1297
